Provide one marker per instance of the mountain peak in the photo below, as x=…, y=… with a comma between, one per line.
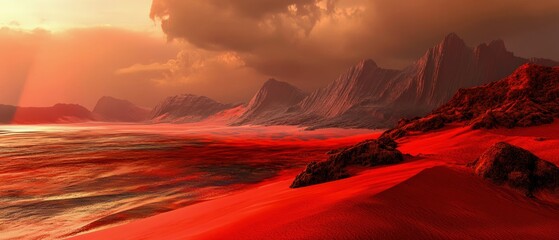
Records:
x=453, y=38
x=450, y=45
x=188, y=95
x=273, y=98
x=367, y=63
x=108, y=98
x=277, y=85
x=494, y=48
x=112, y=109
x=273, y=81
x=498, y=44
x=187, y=108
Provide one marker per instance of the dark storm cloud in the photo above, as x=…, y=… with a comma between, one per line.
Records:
x=309, y=42
x=243, y=25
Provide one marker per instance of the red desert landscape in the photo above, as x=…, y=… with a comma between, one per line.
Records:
x=163, y=119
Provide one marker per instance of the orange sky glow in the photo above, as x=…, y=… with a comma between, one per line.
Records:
x=58, y=15
x=76, y=51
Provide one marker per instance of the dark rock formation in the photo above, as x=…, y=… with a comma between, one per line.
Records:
x=273, y=100
x=187, y=108
x=59, y=113
x=505, y=164
x=528, y=97
x=368, y=153
x=111, y=109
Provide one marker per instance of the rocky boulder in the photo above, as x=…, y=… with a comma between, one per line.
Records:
x=505, y=164
x=368, y=154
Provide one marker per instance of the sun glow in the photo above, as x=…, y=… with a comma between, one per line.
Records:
x=58, y=15
x=40, y=128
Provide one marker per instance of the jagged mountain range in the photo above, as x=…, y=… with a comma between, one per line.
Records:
x=365, y=96
x=370, y=96
x=187, y=108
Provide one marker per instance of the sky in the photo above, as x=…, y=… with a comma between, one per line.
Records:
x=76, y=51
x=58, y=15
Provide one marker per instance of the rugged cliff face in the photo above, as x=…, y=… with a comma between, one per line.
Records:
x=273, y=100
x=434, y=78
x=111, y=109
x=364, y=81
x=528, y=97
x=187, y=108
x=59, y=113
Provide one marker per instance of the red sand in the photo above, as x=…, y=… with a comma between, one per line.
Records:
x=431, y=198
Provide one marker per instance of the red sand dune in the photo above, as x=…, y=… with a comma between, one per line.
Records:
x=434, y=197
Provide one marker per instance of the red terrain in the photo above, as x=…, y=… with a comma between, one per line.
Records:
x=458, y=179
x=433, y=197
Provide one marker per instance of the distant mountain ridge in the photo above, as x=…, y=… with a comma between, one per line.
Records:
x=59, y=113
x=110, y=109
x=360, y=82
x=367, y=96
x=187, y=108
x=273, y=100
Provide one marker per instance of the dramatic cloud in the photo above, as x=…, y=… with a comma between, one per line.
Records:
x=225, y=49
x=220, y=75
x=309, y=42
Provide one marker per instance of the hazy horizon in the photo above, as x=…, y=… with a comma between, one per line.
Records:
x=143, y=51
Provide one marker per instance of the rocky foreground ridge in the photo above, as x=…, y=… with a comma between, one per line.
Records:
x=528, y=97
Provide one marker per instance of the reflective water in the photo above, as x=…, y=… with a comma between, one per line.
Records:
x=60, y=181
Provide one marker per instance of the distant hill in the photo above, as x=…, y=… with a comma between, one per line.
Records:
x=59, y=113
x=273, y=100
x=111, y=109
x=187, y=108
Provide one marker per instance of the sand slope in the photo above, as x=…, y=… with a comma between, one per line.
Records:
x=431, y=197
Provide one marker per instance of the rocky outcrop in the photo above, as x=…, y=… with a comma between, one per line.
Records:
x=59, y=113
x=505, y=164
x=187, y=108
x=369, y=153
x=273, y=100
x=528, y=97
x=109, y=109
